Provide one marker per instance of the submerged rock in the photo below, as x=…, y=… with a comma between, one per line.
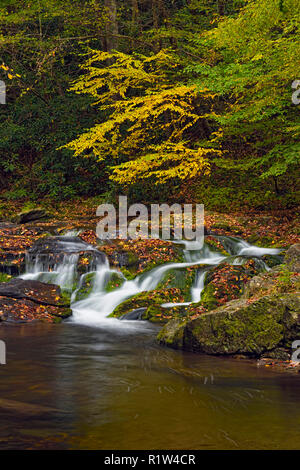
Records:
x=239, y=327
x=136, y=314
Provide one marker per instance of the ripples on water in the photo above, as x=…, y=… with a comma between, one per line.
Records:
x=98, y=389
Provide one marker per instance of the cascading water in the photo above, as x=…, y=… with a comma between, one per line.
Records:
x=96, y=307
x=43, y=268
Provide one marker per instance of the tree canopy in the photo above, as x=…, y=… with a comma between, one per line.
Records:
x=188, y=96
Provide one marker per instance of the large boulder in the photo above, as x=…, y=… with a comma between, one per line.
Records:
x=23, y=301
x=239, y=327
x=51, y=251
x=292, y=258
x=40, y=292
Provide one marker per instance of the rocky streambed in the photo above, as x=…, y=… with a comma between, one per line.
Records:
x=228, y=297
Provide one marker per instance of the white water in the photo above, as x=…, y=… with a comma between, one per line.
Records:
x=94, y=310
x=64, y=273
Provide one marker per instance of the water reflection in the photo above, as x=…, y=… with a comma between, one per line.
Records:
x=97, y=389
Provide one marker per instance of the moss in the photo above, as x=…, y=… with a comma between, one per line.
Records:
x=215, y=245
x=86, y=287
x=181, y=279
x=116, y=281
x=241, y=328
x=63, y=314
x=208, y=298
x=263, y=241
x=128, y=274
x=152, y=301
x=272, y=260
x=226, y=226
x=5, y=277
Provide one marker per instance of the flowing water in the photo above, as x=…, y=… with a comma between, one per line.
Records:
x=100, y=383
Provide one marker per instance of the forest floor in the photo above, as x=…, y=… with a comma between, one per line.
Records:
x=269, y=228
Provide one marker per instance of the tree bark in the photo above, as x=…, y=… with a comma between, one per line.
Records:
x=112, y=25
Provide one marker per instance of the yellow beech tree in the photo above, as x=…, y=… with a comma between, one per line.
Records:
x=150, y=125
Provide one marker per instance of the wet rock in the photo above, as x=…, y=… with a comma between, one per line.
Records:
x=151, y=301
x=292, y=258
x=12, y=262
x=240, y=327
x=23, y=301
x=52, y=250
x=40, y=292
x=14, y=242
x=136, y=314
x=226, y=282
x=26, y=311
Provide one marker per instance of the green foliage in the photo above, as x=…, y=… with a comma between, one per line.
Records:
x=254, y=64
x=163, y=93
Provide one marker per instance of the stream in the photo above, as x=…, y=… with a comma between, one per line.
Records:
x=94, y=382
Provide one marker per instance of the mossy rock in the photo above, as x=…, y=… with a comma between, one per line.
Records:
x=152, y=301
x=226, y=282
x=173, y=334
x=262, y=241
x=239, y=327
x=227, y=227
x=5, y=277
x=273, y=260
x=86, y=287
x=215, y=245
x=115, y=282
x=182, y=279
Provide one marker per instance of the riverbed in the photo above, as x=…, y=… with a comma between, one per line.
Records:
x=116, y=388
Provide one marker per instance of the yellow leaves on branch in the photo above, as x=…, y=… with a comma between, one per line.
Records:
x=166, y=162
x=149, y=120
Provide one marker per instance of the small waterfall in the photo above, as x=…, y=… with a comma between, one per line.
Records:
x=60, y=266
x=198, y=287
x=45, y=268
x=236, y=246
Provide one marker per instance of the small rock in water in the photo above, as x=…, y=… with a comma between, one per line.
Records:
x=136, y=314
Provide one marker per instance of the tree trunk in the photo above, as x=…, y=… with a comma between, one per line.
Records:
x=135, y=18
x=221, y=7
x=112, y=25
x=158, y=12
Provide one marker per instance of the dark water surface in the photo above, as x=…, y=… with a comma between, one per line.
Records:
x=116, y=389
